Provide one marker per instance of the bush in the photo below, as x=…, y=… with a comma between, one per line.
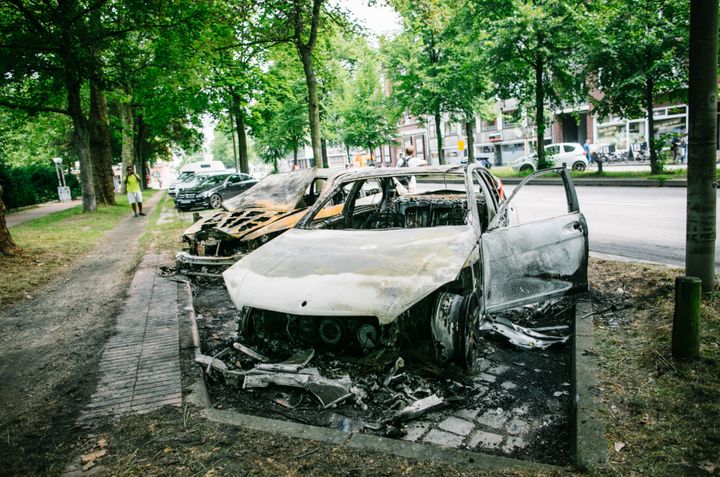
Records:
x=32, y=184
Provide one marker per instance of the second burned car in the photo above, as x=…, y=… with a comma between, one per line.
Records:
x=428, y=251
x=250, y=219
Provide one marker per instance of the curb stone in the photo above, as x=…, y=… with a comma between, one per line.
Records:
x=588, y=446
x=198, y=393
x=374, y=443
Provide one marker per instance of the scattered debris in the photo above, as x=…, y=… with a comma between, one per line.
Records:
x=250, y=352
x=418, y=408
x=619, y=446
x=327, y=391
x=389, y=391
x=399, y=363
x=291, y=365
x=520, y=336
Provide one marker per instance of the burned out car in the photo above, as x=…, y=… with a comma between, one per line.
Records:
x=250, y=219
x=431, y=253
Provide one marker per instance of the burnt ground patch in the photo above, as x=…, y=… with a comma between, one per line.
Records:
x=516, y=403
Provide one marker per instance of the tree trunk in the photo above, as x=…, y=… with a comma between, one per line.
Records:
x=239, y=114
x=438, y=133
x=100, y=146
x=540, y=113
x=7, y=245
x=295, y=155
x=82, y=141
x=649, y=85
x=242, y=143
x=702, y=147
x=470, y=140
x=233, y=127
x=139, y=150
x=323, y=143
x=128, y=129
x=313, y=104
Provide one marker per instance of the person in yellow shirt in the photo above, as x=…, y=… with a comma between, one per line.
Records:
x=132, y=187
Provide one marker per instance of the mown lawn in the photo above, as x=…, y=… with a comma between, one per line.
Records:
x=662, y=414
x=51, y=244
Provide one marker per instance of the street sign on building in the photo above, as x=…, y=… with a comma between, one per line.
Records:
x=461, y=145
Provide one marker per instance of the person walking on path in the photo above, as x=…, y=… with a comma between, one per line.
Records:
x=683, y=149
x=586, y=148
x=132, y=187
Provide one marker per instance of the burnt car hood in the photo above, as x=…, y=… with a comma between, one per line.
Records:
x=279, y=192
x=247, y=223
x=377, y=273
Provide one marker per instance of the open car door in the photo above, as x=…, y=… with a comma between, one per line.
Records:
x=536, y=259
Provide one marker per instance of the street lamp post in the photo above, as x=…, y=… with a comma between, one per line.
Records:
x=63, y=189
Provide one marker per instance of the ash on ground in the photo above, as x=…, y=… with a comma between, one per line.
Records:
x=515, y=403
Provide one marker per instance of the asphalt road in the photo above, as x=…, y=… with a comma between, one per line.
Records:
x=637, y=223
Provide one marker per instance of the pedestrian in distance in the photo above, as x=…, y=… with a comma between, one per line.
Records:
x=674, y=149
x=683, y=148
x=132, y=187
x=586, y=148
x=410, y=159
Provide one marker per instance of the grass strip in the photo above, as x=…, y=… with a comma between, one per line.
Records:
x=662, y=414
x=52, y=244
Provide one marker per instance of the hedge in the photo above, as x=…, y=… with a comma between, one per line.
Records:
x=32, y=184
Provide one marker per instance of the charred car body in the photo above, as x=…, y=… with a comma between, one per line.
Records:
x=272, y=206
x=435, y=262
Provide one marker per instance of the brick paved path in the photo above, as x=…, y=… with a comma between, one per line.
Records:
x=140, y=367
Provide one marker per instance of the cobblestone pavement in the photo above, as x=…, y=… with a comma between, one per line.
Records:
x=506, y=421
x=140, y=367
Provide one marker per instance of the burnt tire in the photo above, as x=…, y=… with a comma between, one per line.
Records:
x=215, y=201
x=578, y=166
x=453, y=325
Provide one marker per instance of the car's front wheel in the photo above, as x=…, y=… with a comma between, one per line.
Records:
x=215, y=201
x=579, y=166
x=454, y=325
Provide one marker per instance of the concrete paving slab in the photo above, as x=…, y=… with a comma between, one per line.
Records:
x=486, y=440
x=458, y=426
x=442, y=438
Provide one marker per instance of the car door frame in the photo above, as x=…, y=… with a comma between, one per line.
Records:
x=553, y=264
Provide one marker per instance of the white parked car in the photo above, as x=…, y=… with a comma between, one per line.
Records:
x=571, y=154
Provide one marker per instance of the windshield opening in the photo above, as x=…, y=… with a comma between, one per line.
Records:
x=398, y=201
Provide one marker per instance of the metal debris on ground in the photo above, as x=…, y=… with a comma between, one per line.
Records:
x=251, y=352
x=418, y=408
x=328, y=391
x=521, y=336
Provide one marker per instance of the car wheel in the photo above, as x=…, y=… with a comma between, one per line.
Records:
x=526, y=168
x=454, y=324
x=579, y=166
x=215, y=201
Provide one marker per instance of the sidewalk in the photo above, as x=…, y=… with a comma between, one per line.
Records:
x=15, y=218
x=140, y=365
